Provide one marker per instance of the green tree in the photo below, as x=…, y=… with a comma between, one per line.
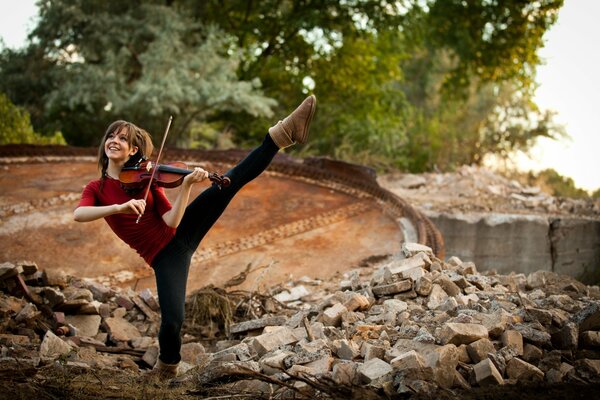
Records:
x=142, y=62
x=15, y=126
x=559, y=185
x=411, y=84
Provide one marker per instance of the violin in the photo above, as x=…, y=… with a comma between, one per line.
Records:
x=168, y=175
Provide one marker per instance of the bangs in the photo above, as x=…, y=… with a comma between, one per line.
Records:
x=118, y=126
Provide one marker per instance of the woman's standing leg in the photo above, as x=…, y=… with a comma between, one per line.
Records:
x=171, y=267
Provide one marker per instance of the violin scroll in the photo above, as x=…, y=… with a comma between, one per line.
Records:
x=221, y=180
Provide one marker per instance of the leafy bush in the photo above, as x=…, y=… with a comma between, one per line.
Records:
x=15, y=126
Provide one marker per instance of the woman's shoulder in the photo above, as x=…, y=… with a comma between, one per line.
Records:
x=94, y=183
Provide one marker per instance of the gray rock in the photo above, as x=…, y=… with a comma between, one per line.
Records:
x=86, y=325
x=487, y=374
x=332, y=316
x=458, y=334
x=392, y=288
x=52, y=346
x=273, y=340
x=121, y=330
x=374, y=371
x=257, y=324
x=523, y=371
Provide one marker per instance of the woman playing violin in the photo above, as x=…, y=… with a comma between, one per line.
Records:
x=168, y=234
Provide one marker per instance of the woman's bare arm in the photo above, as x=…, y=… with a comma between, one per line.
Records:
x=92, y=213
x=173, y=217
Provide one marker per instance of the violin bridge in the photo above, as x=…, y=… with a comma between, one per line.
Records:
x=149, y=166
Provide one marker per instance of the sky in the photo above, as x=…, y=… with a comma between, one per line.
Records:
x=569, y=84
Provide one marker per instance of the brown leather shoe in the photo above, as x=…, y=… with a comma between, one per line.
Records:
x=294, y=128
x=165, y=371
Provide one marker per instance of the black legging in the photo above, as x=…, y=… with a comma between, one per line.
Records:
x=171, y=264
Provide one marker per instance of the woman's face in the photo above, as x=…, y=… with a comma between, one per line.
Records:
x=117, y=147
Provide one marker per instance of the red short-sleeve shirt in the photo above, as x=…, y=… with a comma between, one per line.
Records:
x=147, y=237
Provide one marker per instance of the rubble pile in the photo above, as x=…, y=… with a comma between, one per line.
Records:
x=407, y=324
x=477, y=189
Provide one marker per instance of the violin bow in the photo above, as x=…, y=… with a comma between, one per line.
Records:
x=157, y=161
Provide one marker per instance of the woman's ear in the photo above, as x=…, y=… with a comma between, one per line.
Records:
x=133, y=150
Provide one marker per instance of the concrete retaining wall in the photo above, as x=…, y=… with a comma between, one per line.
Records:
x=524, y=243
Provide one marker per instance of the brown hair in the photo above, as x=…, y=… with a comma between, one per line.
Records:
x=136, y=137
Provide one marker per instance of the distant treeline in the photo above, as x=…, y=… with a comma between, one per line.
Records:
x=408, y=84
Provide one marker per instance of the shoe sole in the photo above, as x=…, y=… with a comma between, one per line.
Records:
x=309, y=120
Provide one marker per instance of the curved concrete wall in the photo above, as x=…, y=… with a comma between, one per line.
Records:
x=524, y=243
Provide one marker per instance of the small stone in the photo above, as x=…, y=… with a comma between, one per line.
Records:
x=28, y=313
x=566, y=338
x=411, y=249
x=121, y=330
x=271, y=341
x=332, y=316
x=479, y=349
x=588, y=369
x=588, y=319
x=241, y=351
x=55, y=278
x=443, y=361
x=370, y=351
x=523, y=371
x=357, y=302
x=532, y=354
x=28, y=267
x=9, y=340
x=143, y=342
x=393, y=288
x=346, y=349
x=255, y=324
x=86, y=325
x=296, y=293
x=345, y=373
x=423, y=286
x=374, y=370
x=487, y=374
x=124, y=302
x=52, y=346
x=534, y=336
x=321, y=365
x=272, y=363
x=449, y=287
x=74, y=293
x=437, y=297
x=148, y=312
x=468, y=268
x=408, y=360
x=458, y=334
x=151, y=356
x=544, y=317
x=149, y=299
x=193, y=353
x=536, y=280
x=99, y=291
x=513, y=338
x=8, y=270
x=590, y=339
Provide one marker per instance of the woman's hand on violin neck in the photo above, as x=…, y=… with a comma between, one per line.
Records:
x=133, y=206
x=198, y=175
